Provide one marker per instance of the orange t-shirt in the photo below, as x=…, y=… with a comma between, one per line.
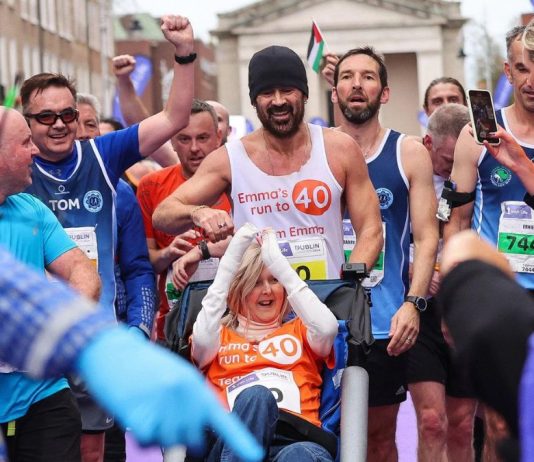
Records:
x=151, y=191
x=283, y=362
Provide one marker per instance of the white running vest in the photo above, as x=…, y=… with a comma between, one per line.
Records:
x=304, y=208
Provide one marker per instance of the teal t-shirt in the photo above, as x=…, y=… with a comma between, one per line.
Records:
x=30, y=231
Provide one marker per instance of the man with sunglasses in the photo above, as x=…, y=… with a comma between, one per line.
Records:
x=77, y=180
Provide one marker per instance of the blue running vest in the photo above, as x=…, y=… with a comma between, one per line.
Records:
x=84, y=202
x=391, y=186
x=496, y=184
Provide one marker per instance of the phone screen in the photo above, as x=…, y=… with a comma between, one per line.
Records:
x=482, y=116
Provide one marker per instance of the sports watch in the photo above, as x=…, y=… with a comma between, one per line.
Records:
x=419, y=302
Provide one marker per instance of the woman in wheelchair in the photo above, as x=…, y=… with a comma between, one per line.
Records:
x=266, y=370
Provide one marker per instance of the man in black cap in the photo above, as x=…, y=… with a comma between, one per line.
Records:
x=288, y=175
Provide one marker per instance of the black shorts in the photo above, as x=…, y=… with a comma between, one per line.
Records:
x=49, y=432
x=94, y=419
x=431, y=358
x=387, y=375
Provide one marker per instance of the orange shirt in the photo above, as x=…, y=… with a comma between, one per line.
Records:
x=151, y=191
x=283, y=361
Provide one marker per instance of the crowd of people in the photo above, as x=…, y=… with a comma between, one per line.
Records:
x=127, y=217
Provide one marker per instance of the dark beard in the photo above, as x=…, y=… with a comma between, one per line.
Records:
x=360, y=116
x=282, y=130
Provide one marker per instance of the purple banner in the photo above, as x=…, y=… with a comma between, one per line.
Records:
x=423, y=118
x=503, y=92
x=140, y=77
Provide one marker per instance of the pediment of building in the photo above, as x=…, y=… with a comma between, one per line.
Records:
x=294, y=15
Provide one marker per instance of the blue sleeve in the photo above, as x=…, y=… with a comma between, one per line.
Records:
x=119, y=150
x=56, y=240
x=136, y=272
x=31, y=338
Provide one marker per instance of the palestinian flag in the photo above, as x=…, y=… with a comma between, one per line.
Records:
x=315, y=48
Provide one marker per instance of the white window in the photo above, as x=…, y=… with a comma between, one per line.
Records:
x=36, y=61
x=64, y=18
x=27, y=60
x=13, y=59
x=80, y=21
x=4, y=66
x=32, y=11
x=52, y=18
x=93, y=23
x=48, y=14
x=24, y=13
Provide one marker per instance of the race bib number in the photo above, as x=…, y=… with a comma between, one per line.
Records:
x=516, y=236
x=282, y=349
x=349, y=241
x=281, y=384
x=306, y=256
x=85, y=239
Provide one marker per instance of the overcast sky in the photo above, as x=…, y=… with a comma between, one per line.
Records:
x=497, y=15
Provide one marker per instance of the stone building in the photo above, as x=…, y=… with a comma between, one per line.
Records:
x=421, y=40
x=69, y=36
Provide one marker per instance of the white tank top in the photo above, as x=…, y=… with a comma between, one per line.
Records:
x=304, y=208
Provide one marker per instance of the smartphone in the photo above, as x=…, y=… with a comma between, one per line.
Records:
x=482, y=116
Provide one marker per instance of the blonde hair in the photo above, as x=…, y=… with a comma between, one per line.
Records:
x=242, y=285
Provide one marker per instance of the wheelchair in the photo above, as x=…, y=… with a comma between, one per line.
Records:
x=344, y=398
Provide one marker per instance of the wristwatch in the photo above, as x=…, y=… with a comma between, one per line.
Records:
x=419, y=302
x=203, y=246
x=185, y=59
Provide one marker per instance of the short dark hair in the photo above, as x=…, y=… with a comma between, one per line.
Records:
x=439, y=80
x=43, y=81
x=369, y=51
x=511, y=36
x=199, y=106
x=113, y=122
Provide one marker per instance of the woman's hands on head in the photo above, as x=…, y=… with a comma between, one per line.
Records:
x=270, y=250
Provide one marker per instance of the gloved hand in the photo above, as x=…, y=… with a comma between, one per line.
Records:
x=159, y=396
x=215, y=299
x=206, y=340
x=278, y=265
x=231, y=259
x=318, y=319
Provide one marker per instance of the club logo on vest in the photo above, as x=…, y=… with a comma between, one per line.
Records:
x=93, y=201
x=385, y=198
x=500, y=176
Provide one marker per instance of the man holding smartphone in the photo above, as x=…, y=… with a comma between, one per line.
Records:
x=498, y=212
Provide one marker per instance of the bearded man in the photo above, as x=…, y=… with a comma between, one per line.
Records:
x=292, y=176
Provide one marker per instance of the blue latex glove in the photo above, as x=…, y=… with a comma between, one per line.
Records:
x=159, y=396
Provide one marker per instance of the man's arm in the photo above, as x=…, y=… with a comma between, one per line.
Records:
x=157, y=129
x=77, y=271
x=161, y=259
x=418, y=168
x=360, y=197
x=510, y=154
x=135, y=269
x=133, y=109
x=423, y=205
x=174, y=215
x=464, y=174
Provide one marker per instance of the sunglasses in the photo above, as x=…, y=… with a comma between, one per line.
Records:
x=50, y=118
